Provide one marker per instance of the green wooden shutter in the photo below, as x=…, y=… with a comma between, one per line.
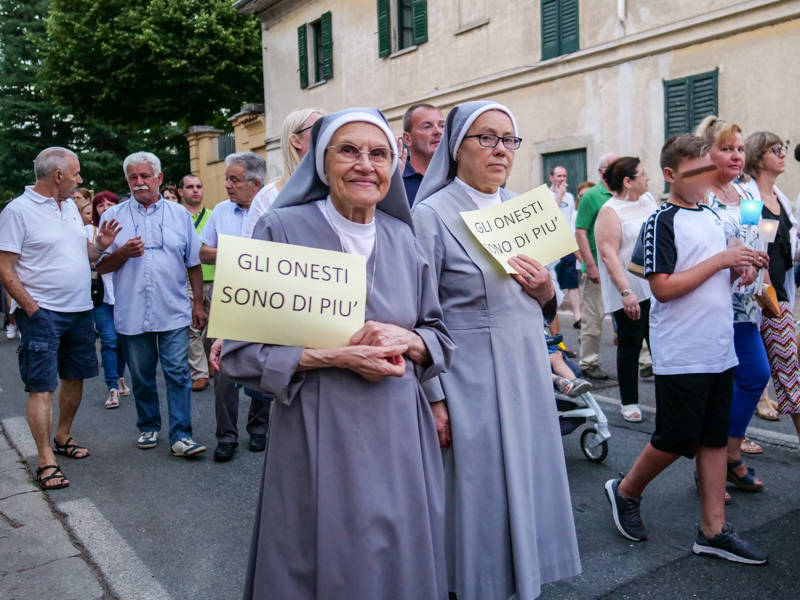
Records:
x=549, y=10
x=569, y=32
x=676, y=107
x=420, y=8
x=384, y=28
x=302, y=53
x=703, y=97
x=326, y=49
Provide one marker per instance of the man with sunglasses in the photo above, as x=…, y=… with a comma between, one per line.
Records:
x=150, y=259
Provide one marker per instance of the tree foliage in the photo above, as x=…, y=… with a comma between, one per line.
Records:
x=106, y=78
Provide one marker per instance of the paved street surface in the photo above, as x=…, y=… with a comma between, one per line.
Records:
x=145, y=525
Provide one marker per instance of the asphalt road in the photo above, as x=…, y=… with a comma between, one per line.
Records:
x=158, y=527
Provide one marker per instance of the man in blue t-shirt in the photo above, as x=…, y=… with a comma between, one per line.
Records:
x=690, y=268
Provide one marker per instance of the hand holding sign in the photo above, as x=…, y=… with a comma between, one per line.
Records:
x=533, y=277
x=530, y=224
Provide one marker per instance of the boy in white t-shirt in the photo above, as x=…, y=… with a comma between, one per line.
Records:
x=689, y=269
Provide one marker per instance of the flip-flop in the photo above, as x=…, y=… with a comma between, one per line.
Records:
x=69, y=450
x=56, y=474
x=765, y=410
x=748, y=446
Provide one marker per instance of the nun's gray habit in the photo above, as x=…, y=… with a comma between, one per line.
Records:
x=509, y=518
x=352, y=498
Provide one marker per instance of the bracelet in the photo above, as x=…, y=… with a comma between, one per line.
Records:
x=102, y=252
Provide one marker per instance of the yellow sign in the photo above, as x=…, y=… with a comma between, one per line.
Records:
x=530, y=224
x=286, y=295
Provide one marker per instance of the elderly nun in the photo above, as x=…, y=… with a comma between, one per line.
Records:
x=509, y=526
x=352, y=498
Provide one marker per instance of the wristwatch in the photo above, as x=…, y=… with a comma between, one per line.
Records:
x=627, y=292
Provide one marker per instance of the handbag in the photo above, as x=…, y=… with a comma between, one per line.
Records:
x=98, y=289
x=768, y=301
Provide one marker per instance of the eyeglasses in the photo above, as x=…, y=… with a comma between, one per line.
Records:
x=299, y=131
x=158, y=242
x=348, y=153
x=778, y=150
x=488, y=140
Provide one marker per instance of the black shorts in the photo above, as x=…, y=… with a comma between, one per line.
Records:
x=567, y=274
x=692, y=410
x=55, y=344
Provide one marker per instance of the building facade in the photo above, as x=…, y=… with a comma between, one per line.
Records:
x=583, y=77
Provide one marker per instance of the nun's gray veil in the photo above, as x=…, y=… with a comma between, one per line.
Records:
x=308, y=182
x=442, y=169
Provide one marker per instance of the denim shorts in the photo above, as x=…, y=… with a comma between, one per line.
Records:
x=55, y=345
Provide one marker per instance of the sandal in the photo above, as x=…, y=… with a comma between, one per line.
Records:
x=571, y=387
x=69, y=450
x=56, y=474
x=748, y=446
x=632, y=413
x=748, y=482
x=765, y=410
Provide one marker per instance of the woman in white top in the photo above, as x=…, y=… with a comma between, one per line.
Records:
x=294, y=146
x=111, y=354
x=625, y=296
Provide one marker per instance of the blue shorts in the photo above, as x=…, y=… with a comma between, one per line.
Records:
x=567, y=274
x=55, y=345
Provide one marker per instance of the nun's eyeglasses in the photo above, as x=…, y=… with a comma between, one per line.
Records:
x=348, y=153
x=488, y=140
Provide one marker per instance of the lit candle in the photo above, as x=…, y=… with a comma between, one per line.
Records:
x=767, y=230
x=751, y=211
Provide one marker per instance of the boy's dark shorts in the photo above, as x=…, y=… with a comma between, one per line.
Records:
x=692, y=410
x=566, y=273
x=55, y=345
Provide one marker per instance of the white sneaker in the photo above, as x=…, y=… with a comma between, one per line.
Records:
x=11, y=331
x=113, y=399
x=187, y=447
x=147, y=439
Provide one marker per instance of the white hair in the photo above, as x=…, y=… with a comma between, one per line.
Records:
x=141, y=158
x=606, y=160
x=255, y=167
x=54, y=158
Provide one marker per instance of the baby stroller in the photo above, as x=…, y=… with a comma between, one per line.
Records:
x=576, y=411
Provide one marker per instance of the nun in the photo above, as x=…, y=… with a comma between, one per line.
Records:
x=352, y=496
x=509, y=526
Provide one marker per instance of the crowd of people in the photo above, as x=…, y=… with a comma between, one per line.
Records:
x=423, y=459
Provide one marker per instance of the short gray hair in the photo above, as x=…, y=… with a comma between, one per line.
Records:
x=255, y=167
x=54, y=158
x=141, y=158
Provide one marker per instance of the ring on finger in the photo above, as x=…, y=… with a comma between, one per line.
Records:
x=527, y=277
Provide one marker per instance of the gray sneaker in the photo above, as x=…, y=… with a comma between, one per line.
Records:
x=147, y=439
x=595, y=372
x=728, y=545
x=625, y=511
x=187, y=447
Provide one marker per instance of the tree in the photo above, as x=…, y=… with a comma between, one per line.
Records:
x=29, y=120
x=144, y=62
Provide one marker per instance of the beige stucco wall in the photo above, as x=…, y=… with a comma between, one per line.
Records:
x=607, y=96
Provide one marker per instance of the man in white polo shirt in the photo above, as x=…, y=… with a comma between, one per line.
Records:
x=44, y=267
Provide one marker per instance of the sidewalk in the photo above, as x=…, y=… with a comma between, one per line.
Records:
x=37, y=557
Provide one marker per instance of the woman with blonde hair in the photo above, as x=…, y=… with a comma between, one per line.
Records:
x=766, y=160
x=727, y=152
x=295, y=139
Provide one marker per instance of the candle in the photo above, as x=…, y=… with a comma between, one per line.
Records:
x=751, y=211
x=767, y=230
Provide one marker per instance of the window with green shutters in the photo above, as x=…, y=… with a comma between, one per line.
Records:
x=403, y=27
x=560, y=31
x=315, y=51
x=688, y=100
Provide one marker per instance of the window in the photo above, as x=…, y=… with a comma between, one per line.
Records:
x=687, y=101
x=574, y=161
x=315, y=50
x=408, y=28
x=225, y=145
x=560, y=32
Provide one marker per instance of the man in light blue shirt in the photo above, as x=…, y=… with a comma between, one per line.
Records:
x=244, y=175
x=150, y=259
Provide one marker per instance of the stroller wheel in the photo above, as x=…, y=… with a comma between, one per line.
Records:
x=595, y=454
